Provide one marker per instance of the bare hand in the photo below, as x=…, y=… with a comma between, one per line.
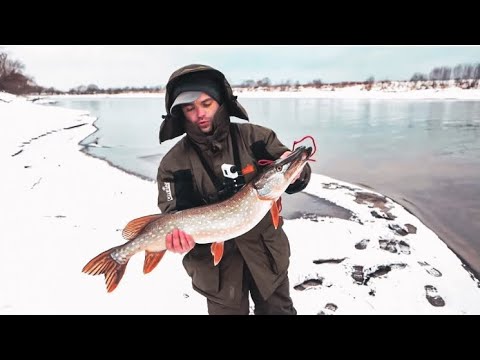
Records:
x=179, y=242
x=283, y=156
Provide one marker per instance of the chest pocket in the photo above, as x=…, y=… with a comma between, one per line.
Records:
x=225, y=186
x=185, y=193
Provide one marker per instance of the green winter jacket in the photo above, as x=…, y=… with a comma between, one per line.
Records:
x=183, y=183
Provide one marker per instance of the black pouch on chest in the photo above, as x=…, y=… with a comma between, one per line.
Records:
x=232, y=180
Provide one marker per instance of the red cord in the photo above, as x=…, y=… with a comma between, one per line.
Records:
x=314, y=145
x=264, y=162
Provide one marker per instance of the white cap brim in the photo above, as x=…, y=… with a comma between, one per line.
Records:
x=186, y=97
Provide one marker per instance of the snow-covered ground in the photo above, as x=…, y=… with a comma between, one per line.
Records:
x=61, y=207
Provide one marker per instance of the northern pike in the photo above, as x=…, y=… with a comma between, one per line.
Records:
x=213, y=223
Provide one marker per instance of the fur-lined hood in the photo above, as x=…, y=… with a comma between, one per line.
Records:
x=173, y=124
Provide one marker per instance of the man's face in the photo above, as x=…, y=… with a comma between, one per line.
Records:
x=201, y=112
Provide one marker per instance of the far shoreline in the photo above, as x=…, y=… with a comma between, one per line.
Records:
x=352, y=92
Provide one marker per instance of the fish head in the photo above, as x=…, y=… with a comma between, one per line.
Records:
x=274, y=179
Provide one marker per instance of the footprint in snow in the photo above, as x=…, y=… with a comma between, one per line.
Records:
x=362, y=245
x=432, y=296
x=430, y=269
x=308, y=284
x=329, y=309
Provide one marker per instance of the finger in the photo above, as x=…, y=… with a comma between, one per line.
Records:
x=183, y=241
x=191, y=242
x=187, y=241
x=176, y=240
x=168, y=242
x=285, y=154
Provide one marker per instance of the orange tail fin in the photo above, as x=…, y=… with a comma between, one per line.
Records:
x=105, y=264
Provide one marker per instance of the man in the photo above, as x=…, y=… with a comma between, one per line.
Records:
x=208, y=165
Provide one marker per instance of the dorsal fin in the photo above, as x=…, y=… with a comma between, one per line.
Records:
x=135, y=227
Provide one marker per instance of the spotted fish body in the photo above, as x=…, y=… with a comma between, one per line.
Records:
x=207, y=224
x=214, y=223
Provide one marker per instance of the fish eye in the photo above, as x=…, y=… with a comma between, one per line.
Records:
x=279, y=168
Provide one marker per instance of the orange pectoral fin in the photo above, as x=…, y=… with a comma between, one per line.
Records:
x=151, y=260
x=279, y=204
x=217, y=252
x=275, y=211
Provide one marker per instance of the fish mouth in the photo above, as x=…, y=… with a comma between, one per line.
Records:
x=302, y=153
x=280, y=172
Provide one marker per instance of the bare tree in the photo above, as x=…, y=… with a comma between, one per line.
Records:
x=317, y=83
x=476, y=73
x=458, y=72
x=265, y=82
x=12, y=78
x=468, y=71
x=419, y=77
x=435, y=74
x=92, y=89
x=248, y=83
x=284, y=83
x=445, y=73
x=369, y=83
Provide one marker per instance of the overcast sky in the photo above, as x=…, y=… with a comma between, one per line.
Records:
x=67, y=66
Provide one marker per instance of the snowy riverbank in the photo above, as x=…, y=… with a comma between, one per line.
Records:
x=63, y=207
